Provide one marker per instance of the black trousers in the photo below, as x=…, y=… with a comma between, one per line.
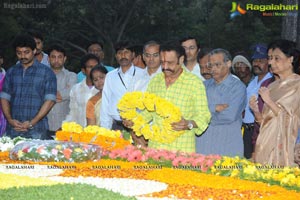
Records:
x=247, y=138
x=118, y=125
x=50, y=135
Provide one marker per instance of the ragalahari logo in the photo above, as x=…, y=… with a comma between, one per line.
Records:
x=236, y=10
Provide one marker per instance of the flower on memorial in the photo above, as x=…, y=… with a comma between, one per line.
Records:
x=6, y=143
x=20, y=153
x=54, y=151
x=106, y=139
x=72, y=127
x=67, y=153
x=135, y=156
x=41, y=150
x=26, y=149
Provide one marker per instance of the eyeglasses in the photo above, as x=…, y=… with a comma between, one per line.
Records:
x=217, y=65
x=190, y=48
x=149, y=55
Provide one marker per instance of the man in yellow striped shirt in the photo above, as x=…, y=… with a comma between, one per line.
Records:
x=184, y=90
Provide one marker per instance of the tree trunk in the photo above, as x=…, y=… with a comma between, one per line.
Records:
x=291, y=23
x=298, y=29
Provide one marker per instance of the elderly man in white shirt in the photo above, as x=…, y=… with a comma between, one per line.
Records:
x=191, y=48
x=82, y=92
x=117, y=83
x=151, y=57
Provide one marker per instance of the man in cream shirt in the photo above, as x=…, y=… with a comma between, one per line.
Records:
x=191, y=50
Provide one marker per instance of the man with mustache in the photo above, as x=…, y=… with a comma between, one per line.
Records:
x=185, y=90
x=260, y=69
x=117, y=83
x=242, y=68
x=202, y=58
x=226, y=97
x=29, y=92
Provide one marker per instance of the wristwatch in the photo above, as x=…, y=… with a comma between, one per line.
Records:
x=190, y=125
x=30, y=126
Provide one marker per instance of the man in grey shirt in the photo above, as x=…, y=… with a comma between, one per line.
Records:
x=65, y=81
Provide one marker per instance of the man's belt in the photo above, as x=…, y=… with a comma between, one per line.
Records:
x=248, y=126
x=117, y=122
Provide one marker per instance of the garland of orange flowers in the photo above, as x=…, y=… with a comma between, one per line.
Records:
x=106, y=143
x=107, y=139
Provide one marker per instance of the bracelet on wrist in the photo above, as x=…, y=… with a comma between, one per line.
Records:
x=30, y=125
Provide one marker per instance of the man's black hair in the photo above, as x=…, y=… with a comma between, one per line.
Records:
x=24, y=40
x=86, y=58
x=94, y=42
x=36, y=34
x=123, y=45
x=56, y=47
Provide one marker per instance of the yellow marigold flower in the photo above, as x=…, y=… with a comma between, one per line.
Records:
x=279, y=176
x=160, y=129
x=288, y=180
x=235, y=173
x=130, y=114
x=251, y=170
x=149, y=101
x=72, y=127
x=297, y=181
x=20, y=153
x=78, y=150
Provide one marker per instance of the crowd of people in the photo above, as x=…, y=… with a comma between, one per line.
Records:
x=233, y=106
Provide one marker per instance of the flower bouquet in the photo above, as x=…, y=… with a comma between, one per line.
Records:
x=55, y=151
x=151, y=115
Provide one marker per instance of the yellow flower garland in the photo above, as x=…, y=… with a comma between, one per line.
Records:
x=159, y=130
x=77, y=128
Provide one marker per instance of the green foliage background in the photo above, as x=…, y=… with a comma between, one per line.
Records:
x=73, y=23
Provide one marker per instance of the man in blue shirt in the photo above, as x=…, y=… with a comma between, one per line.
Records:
x=95, y=48
x=297, y=149
x=261, y=71
x=29, y=92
